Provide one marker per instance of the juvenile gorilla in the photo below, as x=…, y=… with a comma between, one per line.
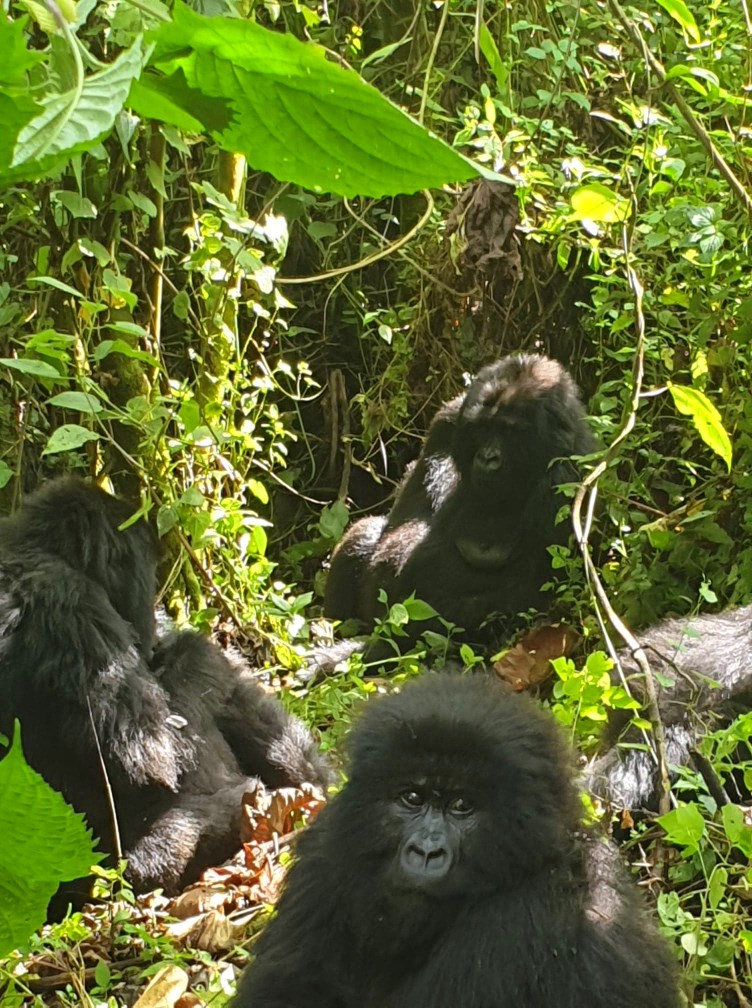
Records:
x=473, y=517
x=452, y=870
x=707, y=663
x=180, y=730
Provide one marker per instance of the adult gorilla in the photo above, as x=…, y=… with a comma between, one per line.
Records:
x=473, y=519
x=704, y=681
x=179, y=732
x=452, y=870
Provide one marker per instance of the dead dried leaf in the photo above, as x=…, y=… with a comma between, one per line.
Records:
x=211, y=931
x=528, y=664
x=165, y=988
x=189, y=1000
x=198, y=899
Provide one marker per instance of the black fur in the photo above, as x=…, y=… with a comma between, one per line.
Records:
x=497, y=901
x=707, y=662
x=180, y=730
x=473, y=517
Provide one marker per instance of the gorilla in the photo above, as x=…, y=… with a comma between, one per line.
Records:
x=452, y=870
x=474, y=515
x=175, y=730
x=703, y=673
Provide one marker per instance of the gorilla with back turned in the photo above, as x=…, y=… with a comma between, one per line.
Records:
x=452, y=870
x=473, y=517
x=704, y=681
x=182, y=731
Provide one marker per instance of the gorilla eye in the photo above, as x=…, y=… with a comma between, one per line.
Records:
x=413, y=799
x=460, y=806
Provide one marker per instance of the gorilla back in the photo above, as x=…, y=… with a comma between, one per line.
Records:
x=452, y=870
x=177, y=732
x=474, y=516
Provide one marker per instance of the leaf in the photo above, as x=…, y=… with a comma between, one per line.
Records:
x=107, y=347
x=29, y=366
x=44, y=843
x=707, y=420
x=67, y=438
x=384, y=51
x=333, y=520
x=596, y=202
x=490, y=50
x=58, y=284
x=684, y=826
x=417, y=609
x=74, y=120
x=296, y=114
x=80, y=401
x=738, y=828
x=17, y=107
x=679, y=11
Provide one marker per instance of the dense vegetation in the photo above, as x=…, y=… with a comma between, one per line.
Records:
x=221, y=284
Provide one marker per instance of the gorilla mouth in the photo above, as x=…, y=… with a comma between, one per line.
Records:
x=484, y=556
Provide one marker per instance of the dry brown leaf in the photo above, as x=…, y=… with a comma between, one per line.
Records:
x=267, y=814
x=528, y=663
x=189, y=1000
x=164, y=989
x=198, y=899
x=211, y=931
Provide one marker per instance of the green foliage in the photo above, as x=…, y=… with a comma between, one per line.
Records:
x=256, y=92
x=583, y=698
x=44, y=843
x=291, y=111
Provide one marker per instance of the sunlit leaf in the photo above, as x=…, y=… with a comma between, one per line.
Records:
x=292, y=111
x=706, y=418
x=679, y=11
x=595, y=202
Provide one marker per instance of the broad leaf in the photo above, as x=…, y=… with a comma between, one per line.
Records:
x=293, y=112
x=44, y=843
x=679, y=11
x=67, y=438
x=595, y=202
x=31, y=366
x=706, y=418
x=17, y=107
x=74, y=120
x=80, y=401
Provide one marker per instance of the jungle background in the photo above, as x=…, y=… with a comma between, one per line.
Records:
x=257, y=360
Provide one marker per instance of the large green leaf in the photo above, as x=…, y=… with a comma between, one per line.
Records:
x=75, y=119
x=17, y=107
x=44, y=843
x=295, y=113
x=706, y=418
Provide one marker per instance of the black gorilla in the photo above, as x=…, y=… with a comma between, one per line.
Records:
x=180, y=728
x=452, y=870
x=473, y=517
x=706, y=666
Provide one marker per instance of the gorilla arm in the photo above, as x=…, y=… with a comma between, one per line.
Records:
x=214, y=692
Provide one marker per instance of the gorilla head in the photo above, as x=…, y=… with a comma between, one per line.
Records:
x=89, y=530
x=427, y=805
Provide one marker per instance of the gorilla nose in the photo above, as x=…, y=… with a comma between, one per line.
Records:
x=425, y=861
x=491, y=458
